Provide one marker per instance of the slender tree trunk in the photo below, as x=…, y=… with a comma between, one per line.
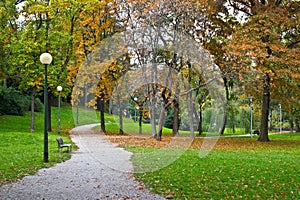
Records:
x=263, y=136
x=161, y=122
x=32, y=110
x=200, y=128
x=196, y=116
x=120, y=115
x=153, y=111
x=85, y=96
x=222, y=130
x=110, y=106
x=224, y=121
x=291, y=122
x=100, y=105
x=140, y=119
x=297, y=124
x=225, y=106
x=153, y=97
x=189, y=103
x=175, y=130
x=102, y=116
x=165, y=104
x=153, y=122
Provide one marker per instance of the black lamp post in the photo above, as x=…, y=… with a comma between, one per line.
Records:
x=46, y=59
x=135, y=99
x=59, y=89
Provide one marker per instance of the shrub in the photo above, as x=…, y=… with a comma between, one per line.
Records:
x=13, y=102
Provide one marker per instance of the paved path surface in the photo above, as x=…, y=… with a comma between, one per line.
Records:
x=98, y=170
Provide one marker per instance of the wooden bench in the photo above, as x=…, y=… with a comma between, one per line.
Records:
x=62, y=145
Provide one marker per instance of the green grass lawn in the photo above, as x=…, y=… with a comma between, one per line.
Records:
x=237, y=168
x=22, y=151
x=241, y=169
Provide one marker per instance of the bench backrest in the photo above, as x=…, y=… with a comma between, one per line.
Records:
x=59, y=141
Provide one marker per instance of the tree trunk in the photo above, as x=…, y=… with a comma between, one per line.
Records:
x=100, y=107
x=110, y=106
x=189, y=103
x=165, y=104
x=140, y=119
x=176, y=117
x=161, y=122
x=176, y=100
x=153, y=111
x=120, y=115
x=291, y=122
x=32, y=110
x=102, y=116
x=85, y=96
x=224, y=120
x=196, y=116
x=153, y=122
x=263, y=135
x=297, y=124
x=200, y=128
x=153, y=97
x=225, y=106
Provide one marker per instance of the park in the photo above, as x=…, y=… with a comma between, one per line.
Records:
x=150, y=99
x=237, y=167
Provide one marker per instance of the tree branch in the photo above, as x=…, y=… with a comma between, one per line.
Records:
x=236, y=7
x=201, y=85
x=293, y=44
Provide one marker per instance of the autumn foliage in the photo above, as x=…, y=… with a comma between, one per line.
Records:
x=253, y=44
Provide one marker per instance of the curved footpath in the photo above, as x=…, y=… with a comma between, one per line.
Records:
x=97, y=170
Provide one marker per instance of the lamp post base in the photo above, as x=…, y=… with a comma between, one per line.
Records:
x=46, y=157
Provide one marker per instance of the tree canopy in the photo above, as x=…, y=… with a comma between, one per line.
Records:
x=255, y=45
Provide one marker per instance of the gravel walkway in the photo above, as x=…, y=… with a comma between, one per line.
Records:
x=97, y=170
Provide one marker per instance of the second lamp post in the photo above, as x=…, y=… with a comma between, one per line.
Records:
x=59, y=89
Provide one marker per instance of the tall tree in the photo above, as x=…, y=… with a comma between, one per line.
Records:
x=96, y=21
x=265, y=48
x=9, y=15
x=208, y=22
x=39, y=31
x=170, y=18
